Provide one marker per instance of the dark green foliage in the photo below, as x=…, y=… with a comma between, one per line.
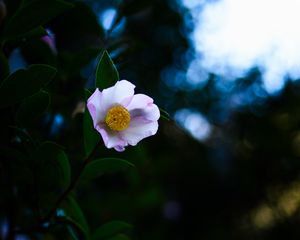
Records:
x=119, y=237
x=106, y=72
x=39, y=170
x=35, y=33
x=32, y=108
x=110, y=230
x=75, y=215
x=39, y=51
x=74, y=62
x=106, y=165
x=90, y=135
x=164, y=114
x=31, y=14
x=78, y=30
x=53, y=164
x=25, y=83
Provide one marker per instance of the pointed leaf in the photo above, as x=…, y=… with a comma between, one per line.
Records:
x=110, y=229
x=73, y=233
x=99, y=167
x=106, y=73
x=73, y=211
x=164, y=114
x=24, y=83
x=90, y=135
x=75, y=229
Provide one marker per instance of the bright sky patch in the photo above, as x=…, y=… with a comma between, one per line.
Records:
x=233, y=36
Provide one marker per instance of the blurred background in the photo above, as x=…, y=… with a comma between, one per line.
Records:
x=227, y=164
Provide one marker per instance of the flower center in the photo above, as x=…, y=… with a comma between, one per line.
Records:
x=117, y=118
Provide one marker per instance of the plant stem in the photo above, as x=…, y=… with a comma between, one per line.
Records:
x=72, y=184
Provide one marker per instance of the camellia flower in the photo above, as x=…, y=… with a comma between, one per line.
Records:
x=122, y=117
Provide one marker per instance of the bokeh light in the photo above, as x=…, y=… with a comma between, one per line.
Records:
x=234, y=36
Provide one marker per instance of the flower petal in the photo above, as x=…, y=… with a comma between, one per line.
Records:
x=95, y=107
x=142, y=106
x=139, y=129
x=120, y=93
x=111, y=139
x=119, y=148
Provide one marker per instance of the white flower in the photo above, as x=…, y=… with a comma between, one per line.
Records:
x=122, y=117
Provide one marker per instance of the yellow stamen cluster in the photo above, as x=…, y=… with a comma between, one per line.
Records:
x=117, y=118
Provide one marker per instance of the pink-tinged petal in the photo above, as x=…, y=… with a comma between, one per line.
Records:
x=139, y=129
x=151, y=112
x=95, y=107
x=121, y=92
x=119, y=148
x=111, y=139
x=139, y=101
x=142, y=106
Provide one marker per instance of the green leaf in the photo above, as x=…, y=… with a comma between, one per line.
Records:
x=90, y=135
x=106, y=73
x=110, y=229
x=75, y=214
x=74, y=228
x=33, y=14
x=32, y=108
x=164, y=114
x=50, y=155
x=40, y=51
x=119, y=237
x=35, y=33
x=99, y=167
x=73, y=232
x=24, y=83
